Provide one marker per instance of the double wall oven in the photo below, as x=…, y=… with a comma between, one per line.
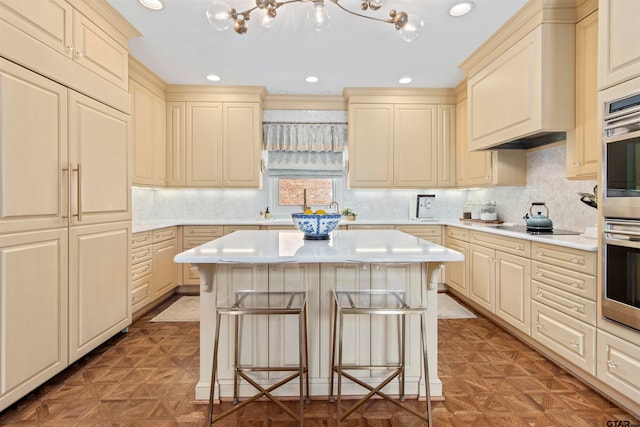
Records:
x=621, y=204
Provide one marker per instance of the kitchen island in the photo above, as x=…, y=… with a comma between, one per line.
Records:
x=283, y=260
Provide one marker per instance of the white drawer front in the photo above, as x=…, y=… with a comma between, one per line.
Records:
x=566, y=336
x=572, y=305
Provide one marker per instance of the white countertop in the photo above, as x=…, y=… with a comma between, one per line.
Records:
x=281, y=246
x=572, y=241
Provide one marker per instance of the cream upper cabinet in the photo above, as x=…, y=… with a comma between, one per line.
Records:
x=203, y=144
x=149, y=136
x=213, y=144
x=371, y=135
x=488, y=167
x=34, y=180
x=415, y=151
x=401, y=140
x=242, y=145
x=99, y=156
x=583, y=148
x=524, y=89
x=77, y=46
x=618, y=46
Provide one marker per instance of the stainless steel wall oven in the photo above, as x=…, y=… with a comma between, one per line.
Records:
x=621, y=205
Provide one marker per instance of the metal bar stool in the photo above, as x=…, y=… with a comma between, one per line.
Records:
x=251, y=302
x=369, y=303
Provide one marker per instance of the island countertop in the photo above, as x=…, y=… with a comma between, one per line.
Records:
x=283, y=246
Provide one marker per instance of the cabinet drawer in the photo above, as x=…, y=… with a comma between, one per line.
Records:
x=619, y=364
x=192, y=242
x=427, y=232
x=140, y=254
x=570, y=304
x=231, y=228
x=579, y=284
x=140, y=270
x=202, y=231
x=140, y=239
x=566, y=336
x=458, y=233
x=573, y=259
x=141, y=294
x=163, y=234
x=506, y=244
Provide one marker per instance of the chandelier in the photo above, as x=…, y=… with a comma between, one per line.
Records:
x=221, y=16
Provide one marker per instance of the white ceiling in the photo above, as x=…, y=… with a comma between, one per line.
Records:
x=178, y=44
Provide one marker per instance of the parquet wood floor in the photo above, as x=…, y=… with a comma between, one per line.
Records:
x=146, y=377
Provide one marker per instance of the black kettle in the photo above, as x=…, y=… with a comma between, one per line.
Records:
x=538, y=222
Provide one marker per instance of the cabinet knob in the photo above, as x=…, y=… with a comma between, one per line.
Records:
x=574, y=344
x=576, y=260
x=540, y=253
x=611, y=364
x=377, y=267
x=538, y=325
x=540, y=293
x=575, y=284
x=364, y=267
x=540, y=273
x=575, y=308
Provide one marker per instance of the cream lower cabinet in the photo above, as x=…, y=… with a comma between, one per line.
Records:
x=618, y=47
x=34, y=287
x=458, y=272
x=618, y=364
x=164, y=270
x=99, y=289
x=141, y=252
x=192, y=236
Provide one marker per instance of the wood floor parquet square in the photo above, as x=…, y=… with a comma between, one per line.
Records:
x=146, y=377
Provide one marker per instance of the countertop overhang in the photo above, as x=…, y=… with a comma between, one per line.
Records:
x=344, y=246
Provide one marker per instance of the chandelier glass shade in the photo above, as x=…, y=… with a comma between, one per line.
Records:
x=221, y=16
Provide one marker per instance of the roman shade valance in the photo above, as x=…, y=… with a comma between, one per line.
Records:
x=304, y=149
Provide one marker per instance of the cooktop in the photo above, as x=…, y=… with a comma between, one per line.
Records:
x=523, y=229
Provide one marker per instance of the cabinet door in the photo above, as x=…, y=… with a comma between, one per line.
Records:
x=583, y=149
x=164, y=270
x=97, y=51
x=370, y=145
x=99, y=289
x=149, y=136
x=99, y=148
x=204, y=144
x=446, y=144
x=619, y=50
x=50, y=22
x=33, y=140
x=457, y=273
x=176, y=143
x=482, y=276
x=472, y=167
x=242, y=145
x=513, y=299
x=415, y=148
x=33, y=284
x=618, y=364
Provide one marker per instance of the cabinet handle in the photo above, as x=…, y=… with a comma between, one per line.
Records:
x=574, y=344
x=78, y=54
x=611, y=364
x=575, y=284
x=575, y=308
x=78, y=171
x=538, y=326
x=540, y=253
x=540, y=294
x=576, y=260
x=363, y=267
x=274, y=267
x=69, y=48
x=68, y=171
x=539, y=273
x=377, y=267
x=519, y=247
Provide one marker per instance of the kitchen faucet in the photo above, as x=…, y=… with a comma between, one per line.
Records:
x=337, y=206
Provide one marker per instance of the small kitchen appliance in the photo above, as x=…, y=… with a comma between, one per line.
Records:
x=537, y=221
x=425, y=208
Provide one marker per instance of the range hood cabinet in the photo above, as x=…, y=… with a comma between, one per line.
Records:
x=524, y=96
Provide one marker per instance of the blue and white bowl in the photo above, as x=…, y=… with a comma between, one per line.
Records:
x=316, y=226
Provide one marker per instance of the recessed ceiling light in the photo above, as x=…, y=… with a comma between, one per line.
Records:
x=152, y=4
x=405, y=80
x=311, y=79
x=461, y=8
x=213, y=78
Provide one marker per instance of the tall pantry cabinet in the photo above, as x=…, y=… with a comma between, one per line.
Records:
x=65, y=203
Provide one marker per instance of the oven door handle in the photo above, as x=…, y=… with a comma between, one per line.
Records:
x=623, y=233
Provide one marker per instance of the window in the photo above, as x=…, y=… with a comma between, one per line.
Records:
x=291, y=191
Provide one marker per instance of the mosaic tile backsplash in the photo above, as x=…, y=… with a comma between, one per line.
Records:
x=546, y=182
